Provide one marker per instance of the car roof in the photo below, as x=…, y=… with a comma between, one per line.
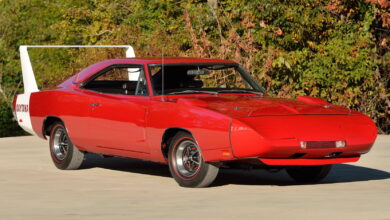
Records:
x=92, y=69
x=156, y=60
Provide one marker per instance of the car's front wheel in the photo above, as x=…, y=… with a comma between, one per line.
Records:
x=186, y=162
x=64, y=154
x=309, y=174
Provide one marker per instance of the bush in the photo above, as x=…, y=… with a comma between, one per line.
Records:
x=8, y=125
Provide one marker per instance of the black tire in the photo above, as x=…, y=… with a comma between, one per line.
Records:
x=186, y=163
x=309, y=174
x=64, y=154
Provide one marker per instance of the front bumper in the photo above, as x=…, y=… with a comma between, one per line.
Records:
x=276, y=139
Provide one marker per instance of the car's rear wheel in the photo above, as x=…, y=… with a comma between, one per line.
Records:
x=309, y=174
x=63, y=153
x=186, y=162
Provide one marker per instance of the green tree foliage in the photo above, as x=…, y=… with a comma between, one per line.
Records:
x=337, y=50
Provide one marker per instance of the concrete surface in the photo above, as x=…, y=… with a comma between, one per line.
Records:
x=113, y=188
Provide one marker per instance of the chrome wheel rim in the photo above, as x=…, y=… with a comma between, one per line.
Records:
x=60, y=144
x=188, y=158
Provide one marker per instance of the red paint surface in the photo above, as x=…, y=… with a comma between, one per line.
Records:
x=226, y=126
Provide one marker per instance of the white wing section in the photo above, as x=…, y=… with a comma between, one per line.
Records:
x=22, y=110
x=29, y=82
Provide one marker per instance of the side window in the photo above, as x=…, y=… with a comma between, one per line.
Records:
x=120, y=80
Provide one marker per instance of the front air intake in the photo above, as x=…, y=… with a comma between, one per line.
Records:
x=322, y=144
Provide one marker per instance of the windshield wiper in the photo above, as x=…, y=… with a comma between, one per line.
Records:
x=192, y=91
x=240, y=91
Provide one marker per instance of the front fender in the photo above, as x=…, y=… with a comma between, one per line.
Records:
x=245, y=141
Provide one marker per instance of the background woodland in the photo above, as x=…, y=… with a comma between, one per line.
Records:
x=337, y=50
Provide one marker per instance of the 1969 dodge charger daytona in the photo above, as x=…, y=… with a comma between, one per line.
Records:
x=196, y=115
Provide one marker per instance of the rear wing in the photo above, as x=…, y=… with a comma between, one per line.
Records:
x=21, y=105
x=29, y=82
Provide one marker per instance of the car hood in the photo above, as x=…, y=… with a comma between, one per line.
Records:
x=237, y=106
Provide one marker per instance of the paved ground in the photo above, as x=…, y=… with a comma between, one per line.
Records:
x=32, y=188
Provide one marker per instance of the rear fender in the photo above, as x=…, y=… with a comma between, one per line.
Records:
x=22, y=112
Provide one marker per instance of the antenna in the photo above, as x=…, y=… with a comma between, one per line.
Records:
x=162, y=66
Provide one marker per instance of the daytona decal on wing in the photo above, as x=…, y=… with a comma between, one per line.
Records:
x=21, y=108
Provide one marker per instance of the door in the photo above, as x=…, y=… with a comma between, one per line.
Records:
x=119, y=103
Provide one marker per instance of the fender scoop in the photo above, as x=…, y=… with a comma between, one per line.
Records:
x=193, y=102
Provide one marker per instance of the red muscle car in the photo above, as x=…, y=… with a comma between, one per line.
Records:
x=196, y=115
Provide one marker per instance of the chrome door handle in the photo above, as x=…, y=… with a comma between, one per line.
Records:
x=94, y=104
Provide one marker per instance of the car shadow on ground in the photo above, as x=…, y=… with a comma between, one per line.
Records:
x=340, y=173
x=126, y=165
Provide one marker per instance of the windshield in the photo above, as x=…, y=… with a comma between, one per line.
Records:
x=205, y=78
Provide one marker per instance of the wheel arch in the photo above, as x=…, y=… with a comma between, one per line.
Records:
x=169, y=133
x=48, y=122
